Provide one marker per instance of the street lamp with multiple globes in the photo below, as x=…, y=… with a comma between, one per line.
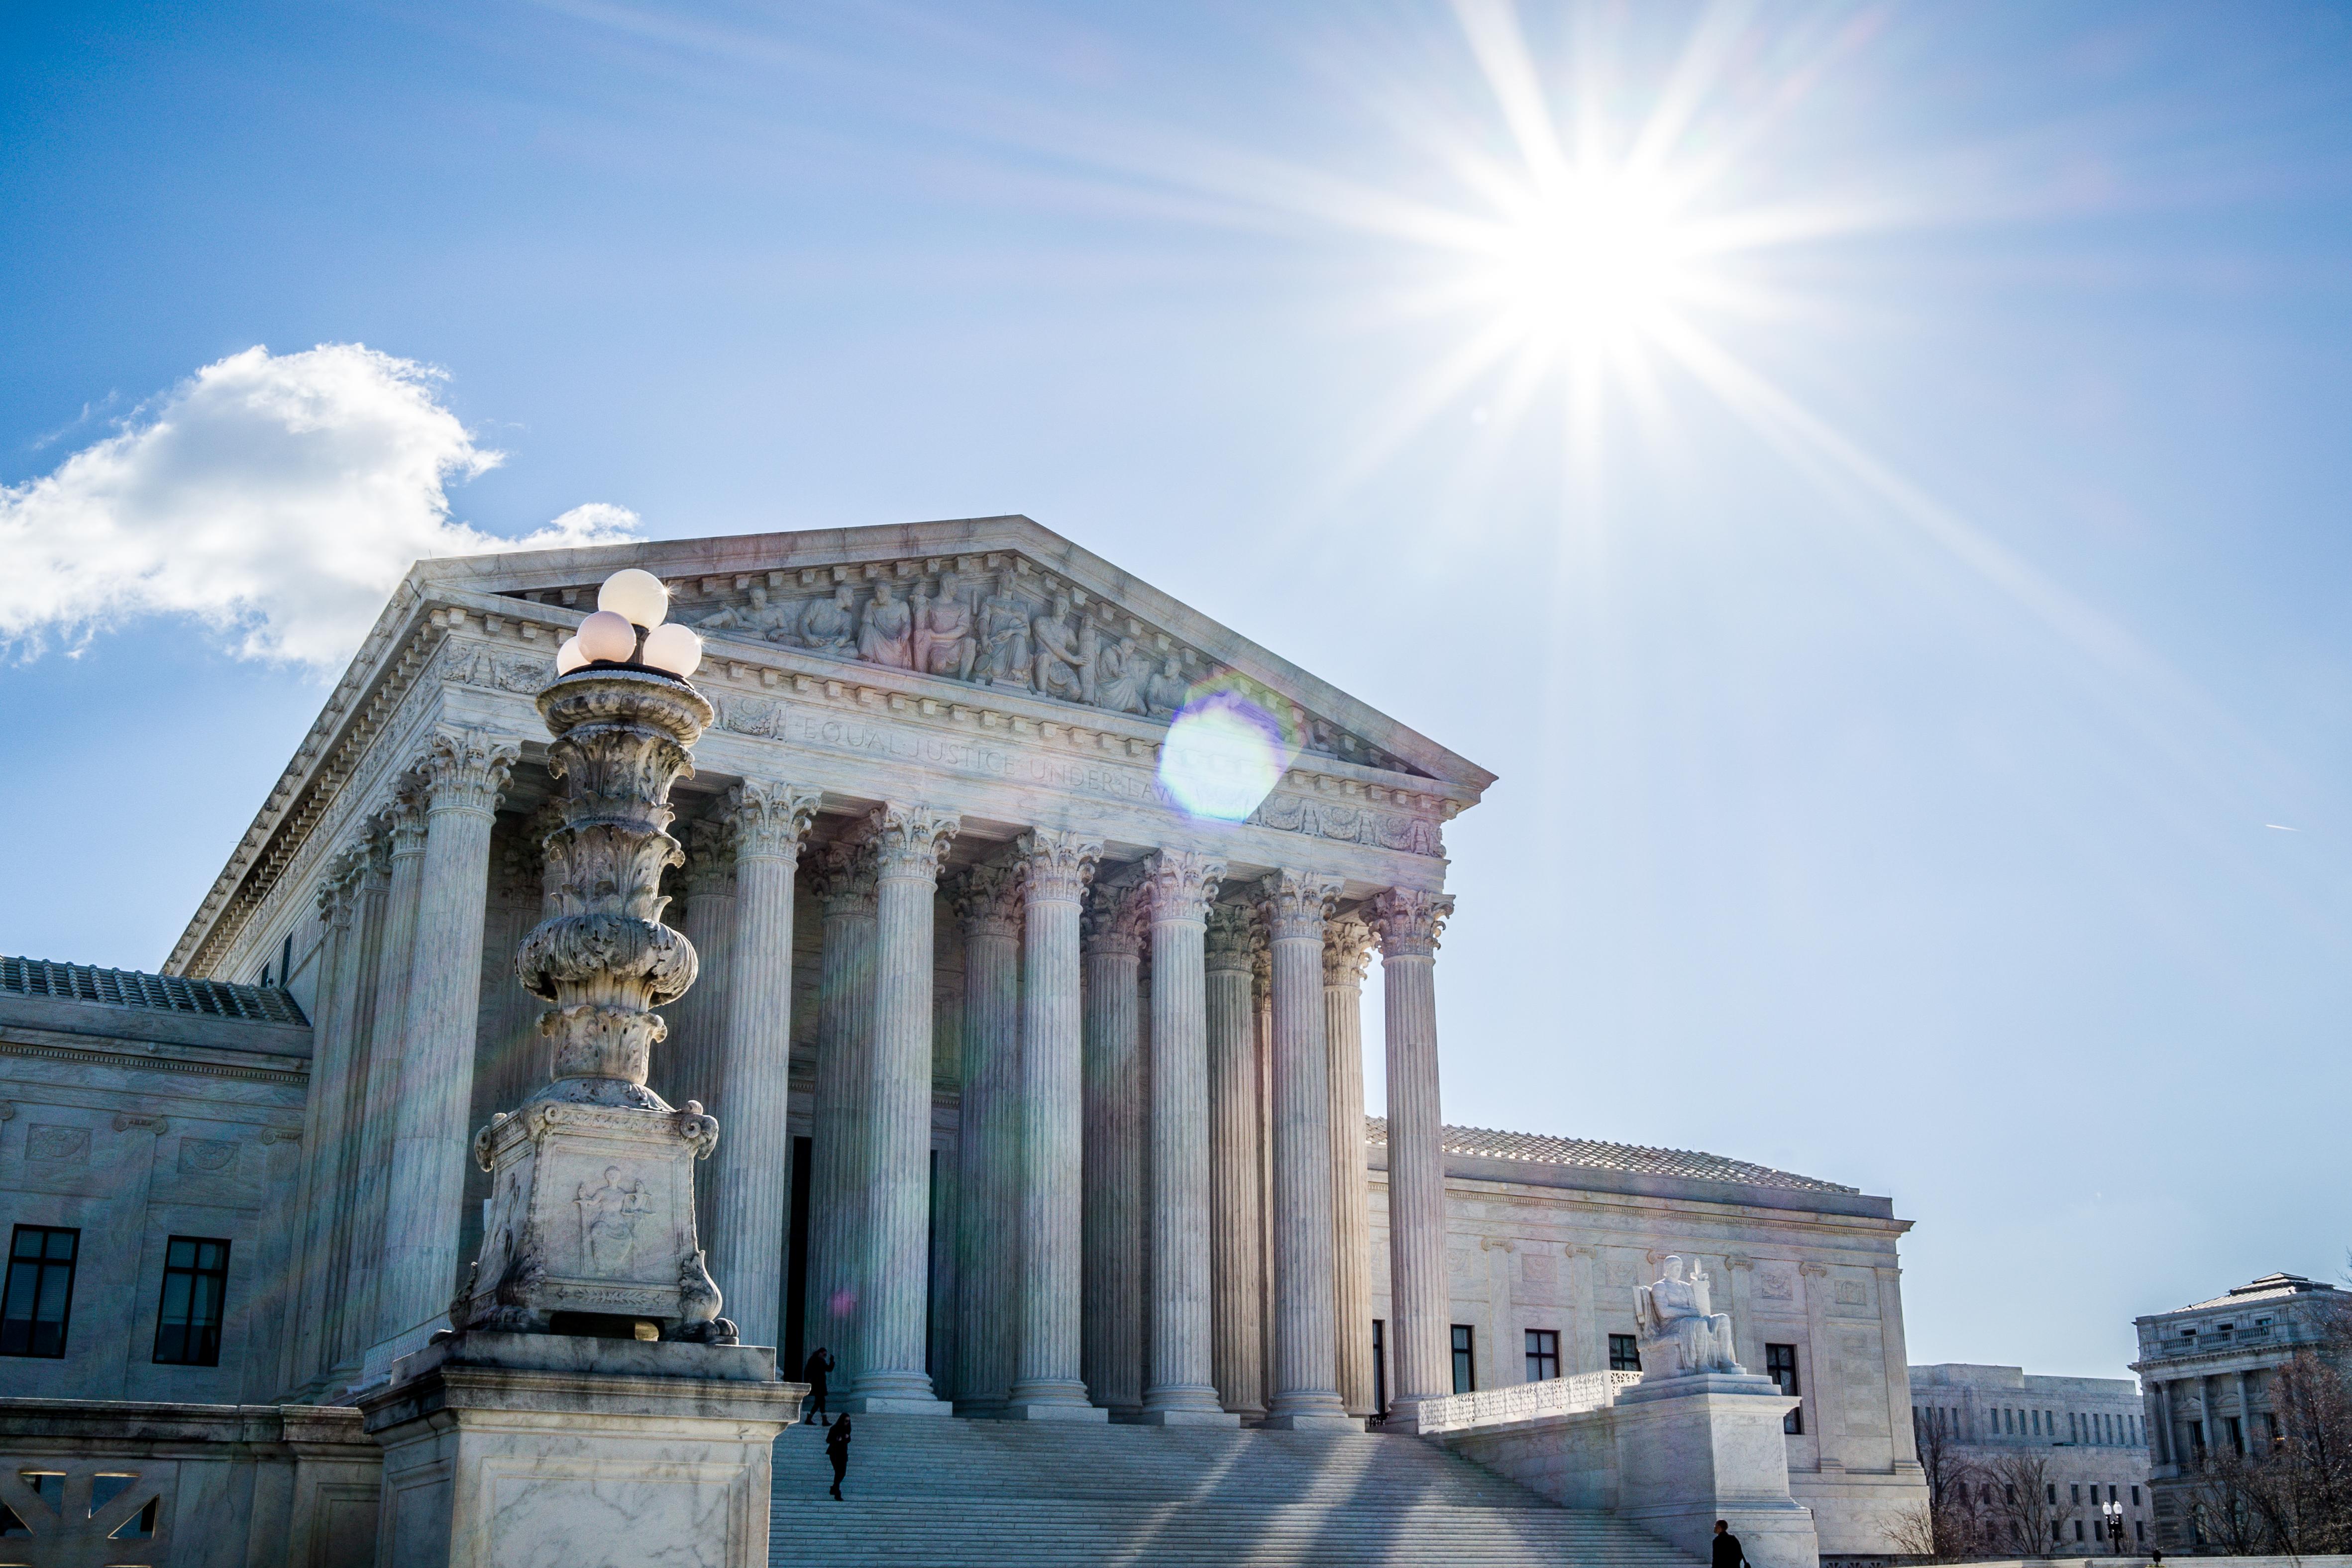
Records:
x=2113, y=1513
x=631, y=626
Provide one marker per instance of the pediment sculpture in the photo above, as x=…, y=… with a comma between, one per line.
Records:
x=1678, y=1330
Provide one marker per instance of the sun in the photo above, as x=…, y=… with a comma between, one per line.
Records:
x=1594, y=260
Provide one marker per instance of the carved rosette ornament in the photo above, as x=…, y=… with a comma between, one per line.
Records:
x=590, y=1223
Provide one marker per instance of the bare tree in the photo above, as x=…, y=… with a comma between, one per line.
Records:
x=2291, y=1494
x=1951, y=1526
x=2021, y=1493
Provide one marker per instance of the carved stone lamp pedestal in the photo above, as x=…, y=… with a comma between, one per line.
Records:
x=590, y=1405
x=1705, y=1446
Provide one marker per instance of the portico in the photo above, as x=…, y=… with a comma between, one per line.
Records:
x=1001, y=1124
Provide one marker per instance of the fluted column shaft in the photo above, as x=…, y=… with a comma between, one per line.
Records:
x=907, y=841
x=402, y=821
x=310, y=1349
x=464, y=772
x=1179, y=1385
x=752, y=1166
x=1111, y=1330
x=690, y=1063
x=375, y=1046
x=1306, y=1351
x=1048, y=1381
x=1236, y=1263
x=837, y=1122
x=1407, y=924
x=1347, y=950
x=988, y=1139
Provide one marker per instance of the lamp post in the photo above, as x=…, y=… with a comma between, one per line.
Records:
x=2113, y=1513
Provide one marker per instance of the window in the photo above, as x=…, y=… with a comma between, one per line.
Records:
x=1623, y=1355
x=1781, y=1366
x=2139, y=1530
x=1466, y=1370
x=39, y=1294
x=2078, y=1529
x=2236, y=1431
x=2055, y=1528
x=139, y=1526
x=286, y=960
x=1380, y=1367
x=2134, y=1497
x=2037, y=1423
x=2277, y=1436
x=2197, y=1439
x=2074, y=1494
x=196, y=1282
x=2053, y=1488
x=1543, y=1354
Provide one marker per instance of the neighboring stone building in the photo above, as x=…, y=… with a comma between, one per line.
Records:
x=2207, y=1369
x=1547, y=1237
x=2085, y=1431
x=942, y=771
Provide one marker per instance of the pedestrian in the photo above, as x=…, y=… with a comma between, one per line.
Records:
x=1728, y=1554
x=2155, y=1557
x=812, y=1371
x=836, y=1448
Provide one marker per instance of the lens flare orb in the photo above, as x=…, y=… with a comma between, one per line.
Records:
x=1223, y=755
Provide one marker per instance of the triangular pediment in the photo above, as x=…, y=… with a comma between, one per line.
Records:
x=995, y=604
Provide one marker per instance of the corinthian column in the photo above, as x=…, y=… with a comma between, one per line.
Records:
x=1236, y=1266
x=320, y=1303
x=1306, y=1351
x=1047, y=1383
x=692, y=1053
x=988, y=1141
x=907, y=841
x=464, y=771
x=1407, y=923
x=753, y=1163
x=402, y=822
x=1346, y=955
x=1112, y=1331
x=843, y=878
x=1179, y=1388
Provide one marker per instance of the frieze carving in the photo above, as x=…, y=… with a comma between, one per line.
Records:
x=1007, y=629
x=206, y=1156
x=471, y=663
x=909, y=839
x=770, y=818
x=1055, y=865
x=1294, y=904
x=60, y=1145
x=1178, y=884
x=1408, y=922
x=1347, y=953
x=987, y=899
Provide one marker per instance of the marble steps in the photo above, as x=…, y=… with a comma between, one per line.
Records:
x=946, y=1493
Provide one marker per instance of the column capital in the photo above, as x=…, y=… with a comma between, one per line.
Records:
x=1179, y=884
x=465, y=769
x=1294, y=904
x=338, y=884
x=1408, y=921
x=1228, y=939
x=768, y=819
x=710, y=856
x=1347, y=953
x=841, y=875
x=909, y=839
x=1056, y=863
x=1114, y=919
x=400, y=820
x=987, y=899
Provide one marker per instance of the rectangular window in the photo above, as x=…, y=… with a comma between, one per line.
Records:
x=2078, y=1529
x=1380, y=1367
x=39, y=1294
x=2197, y=1439
x=1543, y=1354
x=196, y=1284
x=1623, y=1355
x=2139, y=1530
x=2051, y=1488
x=2134, y=1497
x=1781, y=1366
x=2236, y=1430
x=1466, y=1369
x=2074, y=1494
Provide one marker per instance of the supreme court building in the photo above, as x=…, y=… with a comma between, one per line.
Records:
x=1032, y=1038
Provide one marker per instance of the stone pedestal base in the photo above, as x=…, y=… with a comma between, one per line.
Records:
x=1303, y=1421
x=505, y=1450
x=1707, y=1446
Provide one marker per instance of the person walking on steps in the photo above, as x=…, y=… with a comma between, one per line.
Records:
x=836, y=1448
x=1728, y=1552
x=812, y=1371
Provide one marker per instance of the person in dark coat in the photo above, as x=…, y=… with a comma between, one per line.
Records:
x=812, y=1371
x=1728, y=1552
x=836, y=1448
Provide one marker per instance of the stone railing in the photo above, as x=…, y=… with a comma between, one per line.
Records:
x=1522, y=1402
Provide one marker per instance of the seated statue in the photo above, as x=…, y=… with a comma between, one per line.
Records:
x=1065, y=659
x=1003, y=659
x=829, y=626
x=944, y=643
x=1165, y=693
x=758, y=619
x=884, y=635
x=1120, y=676
x=1675, y=1328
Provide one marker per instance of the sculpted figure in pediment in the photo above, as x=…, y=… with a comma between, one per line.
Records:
x=885, y=635
x=1163, y=694
x=759, y=618
x=1119, y=674
x=1003, y=659
x=944, y=642
x=1065, y=659
x=829, y=626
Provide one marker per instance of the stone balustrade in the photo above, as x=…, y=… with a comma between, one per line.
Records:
x=1521, y=1402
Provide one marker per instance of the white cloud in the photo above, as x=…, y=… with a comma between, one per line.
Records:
x=277, y=498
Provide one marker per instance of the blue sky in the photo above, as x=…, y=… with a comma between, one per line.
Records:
x=1910, y=626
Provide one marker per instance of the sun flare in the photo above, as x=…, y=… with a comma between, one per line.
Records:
x=1597, y=260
